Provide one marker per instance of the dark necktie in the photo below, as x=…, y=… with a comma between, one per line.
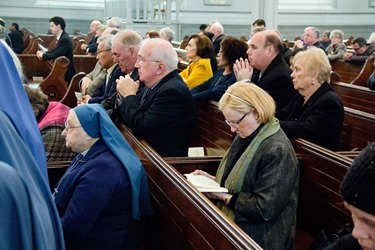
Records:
x=145, y=94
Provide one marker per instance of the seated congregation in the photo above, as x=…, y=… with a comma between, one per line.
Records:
x=265, y=104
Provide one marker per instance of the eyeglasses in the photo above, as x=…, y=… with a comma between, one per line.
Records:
x=100, y=51
x=141, y=60
x=67, y=127
x=236, y=123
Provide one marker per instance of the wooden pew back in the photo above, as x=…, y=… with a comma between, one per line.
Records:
x=211, y=131
x=320, y=204
x=358, y=129
x=347, y=71
x=356, y=97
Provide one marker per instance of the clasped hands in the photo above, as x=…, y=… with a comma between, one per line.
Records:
x=127, y=86
x=242, y=69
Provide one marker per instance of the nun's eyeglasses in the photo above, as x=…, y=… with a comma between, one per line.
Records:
x=67, y=127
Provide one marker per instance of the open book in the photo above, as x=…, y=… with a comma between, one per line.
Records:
x=205, y=184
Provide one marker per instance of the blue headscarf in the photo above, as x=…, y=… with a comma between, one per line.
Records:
x=41, y=214
x=15, y=103
x=97, y=124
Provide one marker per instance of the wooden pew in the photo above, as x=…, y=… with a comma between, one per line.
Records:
x=363, y=76
x=185, y=218
x=321, y=172
x=33, y=66
x=54, y=85
x=69, y=98
x=347, y=71
x=29, y=45
x=77, y=49
x=356, y=97
x=84, y=63
x=358, y=129
x=26, y=36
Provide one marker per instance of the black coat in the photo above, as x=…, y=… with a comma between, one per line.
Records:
x=64, y=47
x=319, y=120
x=276, y=81
x=166, y=117
x=16, y=38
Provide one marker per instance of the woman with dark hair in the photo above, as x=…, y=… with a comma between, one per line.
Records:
x=202, y=61
x=231, y=49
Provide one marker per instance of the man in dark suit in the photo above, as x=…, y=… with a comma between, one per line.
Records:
x=64, y=46
x=266, y=67
x=164, y=113
x=92, y=45
x=16, y=37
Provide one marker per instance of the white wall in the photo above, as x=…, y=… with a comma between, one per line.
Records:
x=353, y=17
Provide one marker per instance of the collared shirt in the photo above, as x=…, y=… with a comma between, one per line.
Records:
x=109, y=72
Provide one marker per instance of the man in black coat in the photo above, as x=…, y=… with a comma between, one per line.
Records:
x=266, y=67
x=64, y=46
x=164, y=113
x=16, y=37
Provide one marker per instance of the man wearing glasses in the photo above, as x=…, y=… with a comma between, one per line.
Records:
x=113, y=71
x=362, y=51
x=163, y=114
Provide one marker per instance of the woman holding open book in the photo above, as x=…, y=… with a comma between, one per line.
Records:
x=260, y=169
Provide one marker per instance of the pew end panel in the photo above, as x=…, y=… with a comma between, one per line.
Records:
x=364, y=75
x=77, y=48
x=69, y=98
x=54, y=85
x=320, y=204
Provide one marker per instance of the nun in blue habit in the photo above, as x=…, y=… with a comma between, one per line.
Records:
x=28, y=216
x=15, y=103
x=104, y=191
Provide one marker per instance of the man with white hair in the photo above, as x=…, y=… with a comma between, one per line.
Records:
x=92, y=46
x=218, y=30
x=166, y=34
x=164, y=114
x=115, y=22
x=310, y=38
